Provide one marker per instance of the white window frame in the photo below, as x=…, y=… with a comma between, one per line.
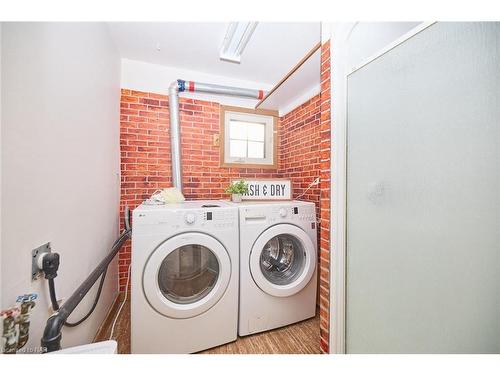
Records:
x=269, y=120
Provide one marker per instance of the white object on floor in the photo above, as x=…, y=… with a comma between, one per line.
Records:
x=103, y=347
x=185, y=260
x=122, y=304
x=278, y=262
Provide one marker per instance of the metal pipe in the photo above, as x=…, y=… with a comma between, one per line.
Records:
x=173, y=102
x=192, y=86
x=175, y=138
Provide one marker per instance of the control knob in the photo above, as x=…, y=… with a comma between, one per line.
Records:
x=282, y=212
x=190, y=218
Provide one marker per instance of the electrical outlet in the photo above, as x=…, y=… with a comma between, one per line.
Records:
x=216, y=140
x=36, y=272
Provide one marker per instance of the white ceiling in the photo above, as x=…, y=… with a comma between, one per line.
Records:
x=272, y=51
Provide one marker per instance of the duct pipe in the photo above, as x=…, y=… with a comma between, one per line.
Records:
x=209, y=88
x=175, y=138
x=173, y=102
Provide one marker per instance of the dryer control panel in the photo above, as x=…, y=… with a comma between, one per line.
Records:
x=293, y=213
x=277, y=213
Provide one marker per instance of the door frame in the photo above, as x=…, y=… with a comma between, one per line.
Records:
x=340, y=35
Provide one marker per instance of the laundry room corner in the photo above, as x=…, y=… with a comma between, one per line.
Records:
x=302, y=155
x=176, y=135
x=174, y=183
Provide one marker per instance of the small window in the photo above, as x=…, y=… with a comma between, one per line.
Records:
x=249, y=138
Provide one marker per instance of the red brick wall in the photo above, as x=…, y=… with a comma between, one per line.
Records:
x=299, y=152
x=145, y=154
x=146, y=162
x=299, y=149
x=325, y=152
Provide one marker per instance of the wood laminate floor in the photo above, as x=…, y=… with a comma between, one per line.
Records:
x=299, y=338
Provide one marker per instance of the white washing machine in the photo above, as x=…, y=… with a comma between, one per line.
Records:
x=278, y=262
x=185, y=260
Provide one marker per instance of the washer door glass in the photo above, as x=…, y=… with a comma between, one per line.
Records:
x=188, y=274
x=282, y=260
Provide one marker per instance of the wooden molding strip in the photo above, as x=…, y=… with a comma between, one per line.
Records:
x=293, y=70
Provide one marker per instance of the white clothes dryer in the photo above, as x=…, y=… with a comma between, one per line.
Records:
x=278, y=264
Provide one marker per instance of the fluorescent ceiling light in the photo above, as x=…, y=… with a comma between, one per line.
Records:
x=237, y=36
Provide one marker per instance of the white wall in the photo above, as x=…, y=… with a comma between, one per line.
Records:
x=367, y=38
x=141, y=76
x=60, y=162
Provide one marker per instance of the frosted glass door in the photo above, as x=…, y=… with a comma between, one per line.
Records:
x=423, y=195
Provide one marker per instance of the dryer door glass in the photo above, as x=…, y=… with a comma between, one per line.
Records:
x=282, y=260
x=188, y=274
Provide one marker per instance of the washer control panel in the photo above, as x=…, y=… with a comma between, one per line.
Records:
x=220, y=218
x=283, y=212
x=190, y=218
x=204, y=218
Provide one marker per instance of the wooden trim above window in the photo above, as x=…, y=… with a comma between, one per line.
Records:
x=262, y=112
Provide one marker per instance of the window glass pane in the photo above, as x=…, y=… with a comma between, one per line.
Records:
x=237, y=130
x=255, y=149
x=188, y=274
x=256, y=131
x=237, y=149
x=247, y=136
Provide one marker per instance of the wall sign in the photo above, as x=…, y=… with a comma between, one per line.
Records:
x=268, y=189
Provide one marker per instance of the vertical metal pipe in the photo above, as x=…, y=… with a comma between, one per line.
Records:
x=175, y=138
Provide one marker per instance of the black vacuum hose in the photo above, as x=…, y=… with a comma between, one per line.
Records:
x=52, y=335
x=53, y=298
x=55, y=304
x=96, y=300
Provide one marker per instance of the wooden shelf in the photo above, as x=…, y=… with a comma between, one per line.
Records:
x=300, y=84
